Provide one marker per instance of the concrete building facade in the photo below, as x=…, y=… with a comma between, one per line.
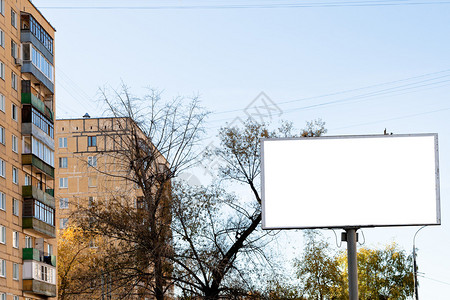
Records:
x=27, y=205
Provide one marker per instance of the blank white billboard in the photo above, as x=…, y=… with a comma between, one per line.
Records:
x=350, y=181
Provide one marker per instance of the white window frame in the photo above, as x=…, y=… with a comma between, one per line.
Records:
x=2, y=268
x=2, y=135
x=2, y=11
x=2, y=100
x=63, y=203
x=2, y=168
x=28, y=242
x=63, y=182
x=2, y=234
x=92, y=161
x=14, y=49
x=16, y=297
x=15, y=272
x=2, y=296
x=27, y=179
x=63, y=162
x=14, y=83
x=62, y=142
x=2, y=70
x=14, y=111
x=63, y=223
x=15, y=239
x=15, y=143
x=2, y=201
x=2, y=38
x=49, y=249
x=15, y=175
x=16, y=207
x=13, y=18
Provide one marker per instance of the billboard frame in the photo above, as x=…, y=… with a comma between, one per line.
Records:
x=437, y=180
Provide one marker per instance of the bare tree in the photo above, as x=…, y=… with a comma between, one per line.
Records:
x=213, y=230
x=146, y=142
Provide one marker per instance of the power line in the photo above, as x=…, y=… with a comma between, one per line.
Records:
x=252, y=6
x=440, y=281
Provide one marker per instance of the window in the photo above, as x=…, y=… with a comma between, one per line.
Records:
x=63, y=162
x=15, y=175
x=44, y=213
x=2, y=11
x=2, y=135
x=2, y=295
x=2, y=234
x=27, y=179
x=50, y=249
x=28, y=242
x=16, y=205
x=2, y=167
x=63, y=183
x=14, y=49
x=63, y=223
x=2, y=38
x=15, y=273
x=63, y=142
x=92, y=181
x=14, y=112
x=92, y=141
x=2, y=70
x=15, y=143
x=2, y=102
x=2, y=201
x=14, y=80
x=2, y=268
x=15, y=239
x=91, y=201
x=42, y=151
x=13, y=18
x=64, y=203
x=15, y=297
x=92, y=161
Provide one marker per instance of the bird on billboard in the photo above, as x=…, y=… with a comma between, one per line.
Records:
x=386, y=133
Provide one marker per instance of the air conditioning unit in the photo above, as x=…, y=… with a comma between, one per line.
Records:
x=18, y=61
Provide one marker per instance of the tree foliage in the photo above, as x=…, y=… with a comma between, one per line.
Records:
x=382, y=273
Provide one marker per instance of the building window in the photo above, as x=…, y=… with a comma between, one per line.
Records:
x=14, y=112
x=42, y=151
x=15, y=273
x=2, y=268
x=15, y=175
x=44, y=213
x=2, y=167
x=63, y=142
x=2, y=201
x=49, y=249
x=14, y=80
x=15, y=143
x=15, y=239
x=63, y=182
x=2, y=70
x=27, y=179
x=2, y=102
x=92, y=161
x=14, y=49
x=16, y=205
x=91, y=201
x=64, y=203
x=63, y=162
x=92, y=181
x=92, y=141
x=2, y=234
x=2, y=11
x=16, y=297
x=13, y=18
x=2, y=295
x=63, y=223
x=28, y=242
x=2, y=135
x=2, y=38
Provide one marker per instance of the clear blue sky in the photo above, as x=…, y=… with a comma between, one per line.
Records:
x=359, y=67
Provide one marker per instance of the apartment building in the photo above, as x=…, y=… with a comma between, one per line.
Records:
x=27, y=205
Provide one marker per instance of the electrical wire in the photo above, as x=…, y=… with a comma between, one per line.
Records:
x=362, y=232
x=440, y=281
x=335, y=235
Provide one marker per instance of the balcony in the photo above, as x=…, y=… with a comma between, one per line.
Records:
x=27, y=36
x=39, y=278
x=33, y=160
x=29, y=98
x=30, y=191
x=37, y=255
x=38, y=226
x=31, y=129
x=28, y=67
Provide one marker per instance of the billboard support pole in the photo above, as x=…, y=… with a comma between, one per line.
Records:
x=352, y=263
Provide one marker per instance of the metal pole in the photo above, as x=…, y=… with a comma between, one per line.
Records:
x=416, y=282
x=352, y=264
